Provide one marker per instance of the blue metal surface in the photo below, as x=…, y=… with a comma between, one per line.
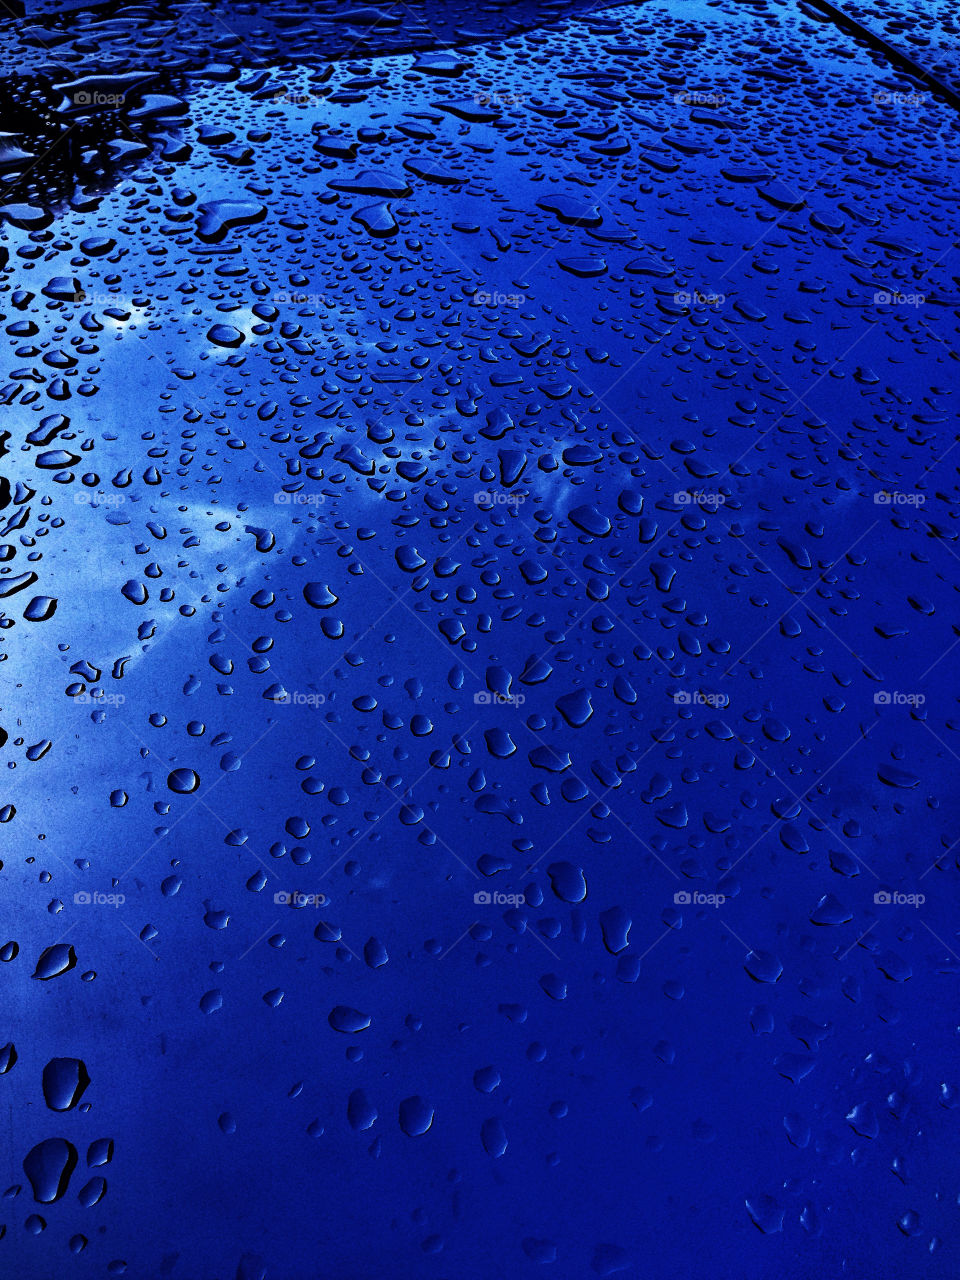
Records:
x=478, y=562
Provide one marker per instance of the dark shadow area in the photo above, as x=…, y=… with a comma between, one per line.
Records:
x=99, y=87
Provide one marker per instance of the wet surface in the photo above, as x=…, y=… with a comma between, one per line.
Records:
x=928, y=35
x=478, y=564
